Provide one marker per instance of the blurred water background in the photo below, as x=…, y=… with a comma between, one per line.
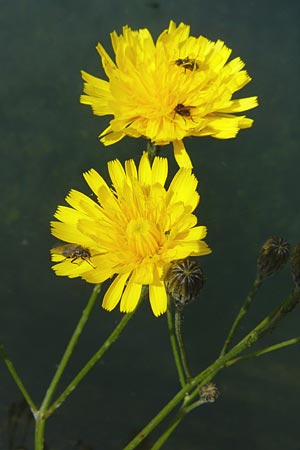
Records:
x=249, y=189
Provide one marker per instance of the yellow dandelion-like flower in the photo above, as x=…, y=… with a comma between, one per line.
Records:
x=133, y=233
x=165, y=91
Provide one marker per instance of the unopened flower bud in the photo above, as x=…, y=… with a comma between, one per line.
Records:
x=272, y=257
x=295, y=265
x=209, y=393
x=184, y=280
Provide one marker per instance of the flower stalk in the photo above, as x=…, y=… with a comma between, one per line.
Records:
x=272, y=256
x=169, y=430
x=264, y=351
x=152, y=151
x=174, y=344
x=192, y=388
x=179, y=336
x=12, y=370
x=242, y=312
x=42, y=413
x=90, y=364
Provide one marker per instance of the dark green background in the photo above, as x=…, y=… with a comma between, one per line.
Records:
x=249, y=188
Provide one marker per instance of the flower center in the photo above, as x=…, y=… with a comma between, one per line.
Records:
x=143, y=237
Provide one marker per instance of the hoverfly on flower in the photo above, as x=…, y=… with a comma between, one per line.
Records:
x=183, y=111
x=187, y=63
x=73, y=252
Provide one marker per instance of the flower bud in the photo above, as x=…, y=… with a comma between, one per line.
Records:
x=184, y=280
x=295, y=265
x=273, y=255
x=209, y=393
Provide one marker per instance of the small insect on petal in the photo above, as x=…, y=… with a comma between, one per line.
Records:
x=73, y=252
x=187, y=63
x=184, y=111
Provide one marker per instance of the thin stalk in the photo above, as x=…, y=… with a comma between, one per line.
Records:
x=195, y=405
x=12, y=370
x=270, y=322
x=183, y=411
x=174, y=345
x=90, y=364
x=246, y=305
x=179, y=336
x=41, y=415
x=266, y=325
x=40, y=423
x=205, y=377
x=152, y=151
x=169, y=430
x=269, y=349
x=96, y=357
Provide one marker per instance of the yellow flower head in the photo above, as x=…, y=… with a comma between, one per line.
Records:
x=134, y=231
x=181, y=86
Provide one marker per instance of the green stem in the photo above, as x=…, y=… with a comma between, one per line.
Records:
x=151, y=150
x=90, y=364
x=195, y=404
x=269, y=349
x=40, y=423
x=178, y=331
x=42, y=413
x=158, y=418
x=183, y=411
x=17, y=379
x=266, y=325
x=174, y=345
x=167, y=433
x=206, y=375
x=271, y=321
x=246, y=305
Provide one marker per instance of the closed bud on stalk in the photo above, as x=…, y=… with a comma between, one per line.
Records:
x=273, y=255
x=295, y=265
x=184, y=280
x=209, y=393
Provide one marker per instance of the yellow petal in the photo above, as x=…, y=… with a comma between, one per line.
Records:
x=144, y=171
x=130, y=297
x=114, y=292
x=116, y=173
x=130, y=169
x=181, y=155
x=159, y=170
x=66, y=232
x=95, y=181
x=107, y=63
x=158, y=299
